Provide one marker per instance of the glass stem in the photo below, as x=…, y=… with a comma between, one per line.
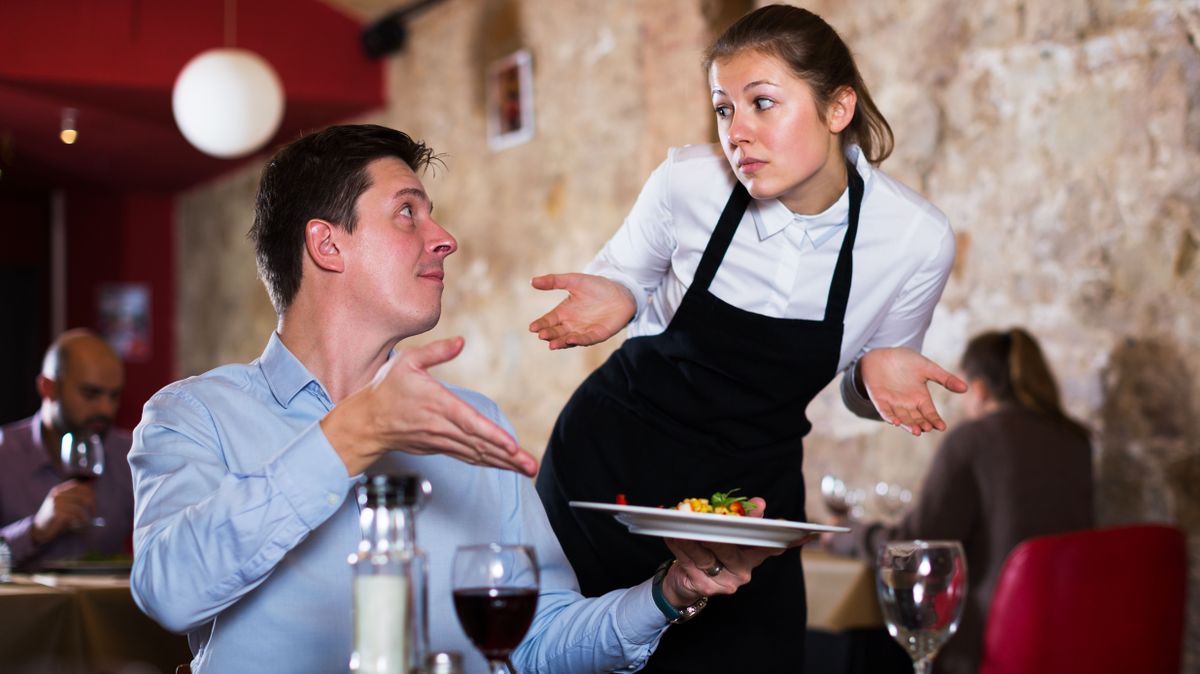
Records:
x=501, y=667
x=923, y=666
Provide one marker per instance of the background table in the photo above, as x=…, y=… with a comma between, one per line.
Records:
x=846, y=633
x=81, y=625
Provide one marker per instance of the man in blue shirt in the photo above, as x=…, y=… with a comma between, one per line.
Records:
x=241, y=475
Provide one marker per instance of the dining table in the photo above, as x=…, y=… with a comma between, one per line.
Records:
x=846, y=633
x=89, y=624
x=81, y=624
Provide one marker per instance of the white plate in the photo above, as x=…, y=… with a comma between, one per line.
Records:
x=668, y=523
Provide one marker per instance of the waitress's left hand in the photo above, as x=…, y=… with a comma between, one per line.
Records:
x=896, y=380
x=687, y=580
x=595, y=309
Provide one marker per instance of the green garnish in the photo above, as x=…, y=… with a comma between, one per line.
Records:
x=727, y=499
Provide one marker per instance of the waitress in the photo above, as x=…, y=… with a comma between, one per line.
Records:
x=749, y=275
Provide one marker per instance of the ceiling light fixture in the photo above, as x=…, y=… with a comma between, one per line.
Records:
x=388, y=33
x=228, y=102
x=68, y=132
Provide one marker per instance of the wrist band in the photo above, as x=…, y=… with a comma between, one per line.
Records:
x=672, y=614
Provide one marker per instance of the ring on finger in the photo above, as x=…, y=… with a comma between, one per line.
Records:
x=715, y=569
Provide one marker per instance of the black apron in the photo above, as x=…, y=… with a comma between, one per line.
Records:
x=714, y=402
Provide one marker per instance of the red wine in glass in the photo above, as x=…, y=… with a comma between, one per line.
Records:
x=495, y=619
x=83, y=460
x=495, y=596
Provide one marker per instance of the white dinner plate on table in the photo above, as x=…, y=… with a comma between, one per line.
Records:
x=669, y=523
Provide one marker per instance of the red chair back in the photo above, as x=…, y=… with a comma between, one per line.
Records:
x=1097, y=601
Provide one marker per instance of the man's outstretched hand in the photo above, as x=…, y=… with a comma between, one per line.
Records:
x=405, y=409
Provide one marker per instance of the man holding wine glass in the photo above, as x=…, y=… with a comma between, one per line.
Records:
x=242, y=474
x=51, y=499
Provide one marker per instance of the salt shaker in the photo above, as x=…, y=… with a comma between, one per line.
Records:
x=390, y=581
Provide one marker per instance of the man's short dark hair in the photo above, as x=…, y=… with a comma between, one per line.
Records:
x=321, y=175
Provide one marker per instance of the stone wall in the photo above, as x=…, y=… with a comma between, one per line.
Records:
x=1061, y=137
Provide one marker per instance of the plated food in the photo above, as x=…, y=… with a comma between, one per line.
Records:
x=673, y=523
x=721, y=503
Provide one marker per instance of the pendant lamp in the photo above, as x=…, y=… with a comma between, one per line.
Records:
x=227, y=102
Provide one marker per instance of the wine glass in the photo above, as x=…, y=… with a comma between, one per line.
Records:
x=922, y=587
x=892, y=498
x=83, y=460
x=842, y=501
x=495, y=595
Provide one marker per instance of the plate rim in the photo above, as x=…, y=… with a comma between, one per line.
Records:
x=737, y=522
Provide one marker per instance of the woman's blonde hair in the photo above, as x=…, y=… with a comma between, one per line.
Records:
x=815, y=53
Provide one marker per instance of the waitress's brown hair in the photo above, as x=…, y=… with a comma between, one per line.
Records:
x=1012, y=366
x=816, y=54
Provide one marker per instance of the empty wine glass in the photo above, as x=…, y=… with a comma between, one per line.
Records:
x=841, y=500
x=922, y=587
x=83, y=460
x=892, y=499
x=495, y=596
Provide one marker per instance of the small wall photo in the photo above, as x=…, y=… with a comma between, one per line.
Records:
x=510, y=100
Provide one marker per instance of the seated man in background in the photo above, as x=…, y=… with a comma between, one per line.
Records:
x=242, y=474
x=46, y=514
x=1019, y=467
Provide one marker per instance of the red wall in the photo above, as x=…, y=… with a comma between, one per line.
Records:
x=124, y=238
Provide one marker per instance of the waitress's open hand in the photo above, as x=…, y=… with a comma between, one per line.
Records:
x=595, y=309
x=897, y=380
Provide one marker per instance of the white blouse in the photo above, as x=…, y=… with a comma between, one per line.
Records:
x=781, y=264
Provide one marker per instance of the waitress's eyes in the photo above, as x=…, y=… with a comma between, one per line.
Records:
x=724, y=110
x=406, y=211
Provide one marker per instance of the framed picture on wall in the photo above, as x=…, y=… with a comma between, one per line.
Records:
x=125, y=319
x=510, y=100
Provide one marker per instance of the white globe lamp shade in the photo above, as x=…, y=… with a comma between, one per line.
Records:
x=227, y=102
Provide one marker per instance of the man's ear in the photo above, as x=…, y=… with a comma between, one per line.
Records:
x=46, y=388
x=841, y=109
x=321, y=243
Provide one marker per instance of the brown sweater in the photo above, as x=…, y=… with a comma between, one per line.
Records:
x=994, y=482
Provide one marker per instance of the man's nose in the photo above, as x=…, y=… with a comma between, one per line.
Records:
x=441, y=242
x=107, y=406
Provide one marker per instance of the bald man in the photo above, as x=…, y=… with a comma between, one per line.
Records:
x=45, y=514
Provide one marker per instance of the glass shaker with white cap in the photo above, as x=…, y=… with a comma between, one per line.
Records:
x=390, y=578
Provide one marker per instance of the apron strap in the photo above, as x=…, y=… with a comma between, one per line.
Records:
x=719, y=242
x=731, y=216
x=839, y=288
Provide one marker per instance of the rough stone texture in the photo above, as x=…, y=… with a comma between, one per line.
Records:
x=1061, y=137
x=224, y=313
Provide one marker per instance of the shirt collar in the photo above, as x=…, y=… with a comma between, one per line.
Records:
x=771, y=216
x=285, y=374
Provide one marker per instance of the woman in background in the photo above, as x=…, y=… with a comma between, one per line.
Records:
x=1019, y=467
